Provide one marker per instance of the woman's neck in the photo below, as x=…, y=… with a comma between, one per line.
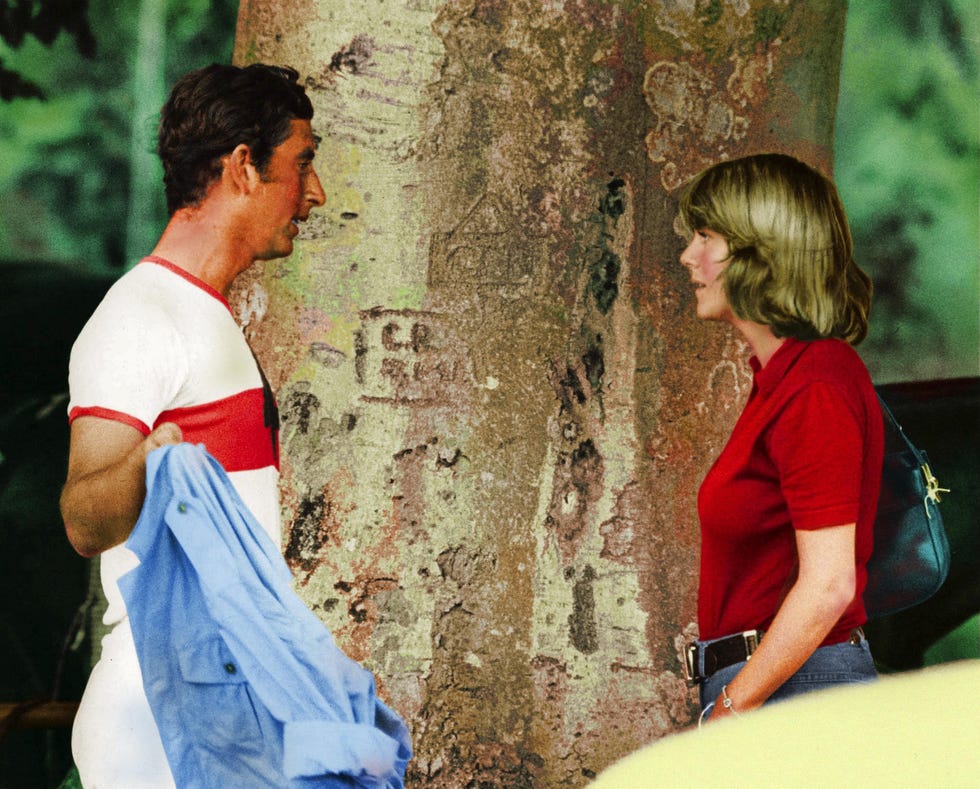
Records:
x=760, y=339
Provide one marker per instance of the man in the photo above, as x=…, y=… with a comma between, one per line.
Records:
x=162, y=360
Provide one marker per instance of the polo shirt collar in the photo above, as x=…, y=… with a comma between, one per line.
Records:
x=767, y=378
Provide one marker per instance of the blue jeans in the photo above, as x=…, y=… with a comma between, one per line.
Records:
x=837, y=664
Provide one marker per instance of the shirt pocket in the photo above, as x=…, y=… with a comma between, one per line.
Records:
x=222, y=714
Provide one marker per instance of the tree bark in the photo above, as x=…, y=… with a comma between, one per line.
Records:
x=497, y=402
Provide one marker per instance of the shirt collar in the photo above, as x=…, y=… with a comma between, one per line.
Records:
x=768, y=377
x=174, y=268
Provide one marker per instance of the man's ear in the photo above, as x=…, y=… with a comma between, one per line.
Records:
x=240, y=170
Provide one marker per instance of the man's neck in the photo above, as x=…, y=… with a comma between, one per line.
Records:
x=197, y=241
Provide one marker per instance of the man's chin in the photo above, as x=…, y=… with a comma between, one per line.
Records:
x=283, y=251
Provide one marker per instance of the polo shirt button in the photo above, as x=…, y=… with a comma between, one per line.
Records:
x=181, y=507
x=230, y=668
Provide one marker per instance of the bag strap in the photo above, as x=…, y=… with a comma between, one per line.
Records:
x=886, y=410
x=896, y=430
x=932, y=484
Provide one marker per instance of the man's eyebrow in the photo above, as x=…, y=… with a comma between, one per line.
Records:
x=317, y=139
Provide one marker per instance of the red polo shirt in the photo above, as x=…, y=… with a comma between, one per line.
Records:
x=806, y=454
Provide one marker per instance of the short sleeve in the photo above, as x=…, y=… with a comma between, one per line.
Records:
x=126, y=364
x=817, y=444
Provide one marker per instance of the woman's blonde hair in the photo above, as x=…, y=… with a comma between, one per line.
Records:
x=791, y=256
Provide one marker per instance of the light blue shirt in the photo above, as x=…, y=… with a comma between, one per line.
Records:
x=246, y=685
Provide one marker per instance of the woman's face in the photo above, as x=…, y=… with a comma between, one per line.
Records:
x=706, y=257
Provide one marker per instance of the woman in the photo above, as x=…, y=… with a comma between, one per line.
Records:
x=788, y=507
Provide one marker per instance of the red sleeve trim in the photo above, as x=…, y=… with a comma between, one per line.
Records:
x=108, y=413
x=825, y=518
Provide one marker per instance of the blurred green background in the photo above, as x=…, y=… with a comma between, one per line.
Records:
x=79, y=180
x=908, y=169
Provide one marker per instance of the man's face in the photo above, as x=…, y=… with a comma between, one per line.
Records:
x=288, y=191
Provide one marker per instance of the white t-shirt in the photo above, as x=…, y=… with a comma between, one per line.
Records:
x=163, y=347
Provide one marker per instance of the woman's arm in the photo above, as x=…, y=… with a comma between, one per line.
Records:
x=823, y=590
x=106, y=484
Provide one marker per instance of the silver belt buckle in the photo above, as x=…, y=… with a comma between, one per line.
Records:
x=691, y=674
x=751, y=638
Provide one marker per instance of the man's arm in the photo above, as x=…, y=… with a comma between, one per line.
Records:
x=106, y=483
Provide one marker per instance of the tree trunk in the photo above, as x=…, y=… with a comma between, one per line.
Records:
x=497, y=403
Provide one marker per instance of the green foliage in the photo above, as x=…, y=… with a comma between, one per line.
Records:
x=908, y=168
x=44, y=20
x=963, y=643
x=64, y=174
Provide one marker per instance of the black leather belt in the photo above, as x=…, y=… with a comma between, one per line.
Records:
x=728, y=651
x=719, y=654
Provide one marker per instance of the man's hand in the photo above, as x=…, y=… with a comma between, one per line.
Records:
x=106, y=484
x=167, y=433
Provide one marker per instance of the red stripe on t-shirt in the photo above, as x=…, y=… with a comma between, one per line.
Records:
x=233, y=430
x=108, y=413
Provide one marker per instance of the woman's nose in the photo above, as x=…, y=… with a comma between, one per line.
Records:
x=685, y=258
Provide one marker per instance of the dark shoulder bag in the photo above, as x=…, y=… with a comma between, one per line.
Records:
x=910, y=559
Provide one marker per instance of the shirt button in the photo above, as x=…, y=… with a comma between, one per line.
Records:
x=181, y=507
x=230, y=668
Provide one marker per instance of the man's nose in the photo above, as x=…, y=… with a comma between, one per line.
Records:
x=314, y=190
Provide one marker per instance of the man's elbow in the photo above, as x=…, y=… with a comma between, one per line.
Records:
x=82, y=546
x=81, y=539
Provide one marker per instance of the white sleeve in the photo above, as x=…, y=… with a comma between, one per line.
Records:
x=126, y=364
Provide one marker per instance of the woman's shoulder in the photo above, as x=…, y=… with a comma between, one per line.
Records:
x=833, y=362
x=831, y=355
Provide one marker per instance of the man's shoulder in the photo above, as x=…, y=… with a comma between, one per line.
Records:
x=149, y=294
x=135, y=308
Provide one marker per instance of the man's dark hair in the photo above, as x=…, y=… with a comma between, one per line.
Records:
x=212, y=110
